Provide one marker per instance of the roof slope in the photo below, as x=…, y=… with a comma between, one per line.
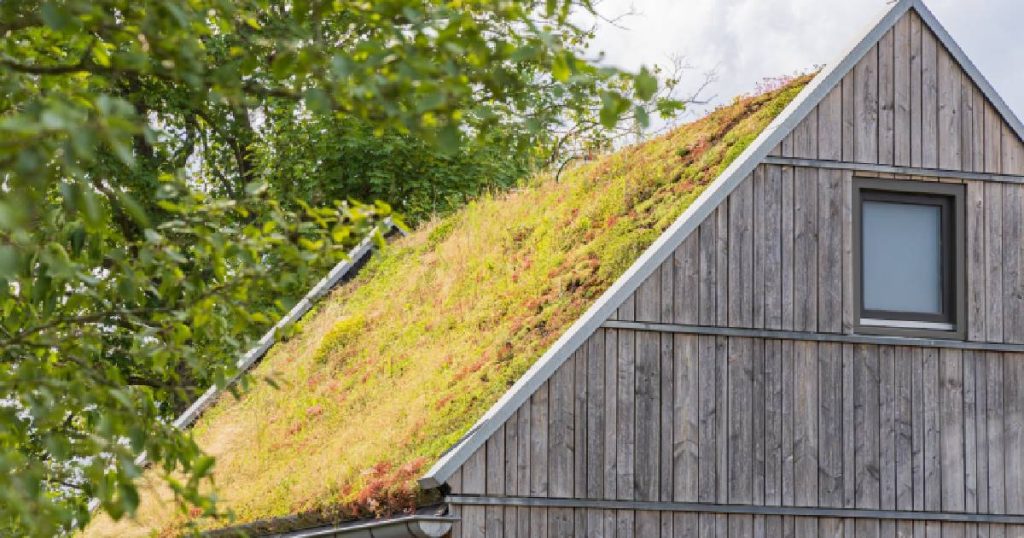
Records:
x=394, y=367
x=645, y=265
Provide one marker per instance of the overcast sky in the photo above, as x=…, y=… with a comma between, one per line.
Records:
x=744, y=41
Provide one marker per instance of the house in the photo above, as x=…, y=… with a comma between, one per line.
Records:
x=829, y=341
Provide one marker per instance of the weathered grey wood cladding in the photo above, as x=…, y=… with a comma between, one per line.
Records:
x=752, y=421
x=733, y=376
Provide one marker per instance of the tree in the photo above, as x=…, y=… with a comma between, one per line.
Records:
x=144, y=243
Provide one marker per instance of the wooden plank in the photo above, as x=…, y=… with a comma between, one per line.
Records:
x=647, y=445
x=830, y=416
x=624, y=523
x=917, y=462
x=685, y=525
x=539, y=442
x=849, y=116
x=741, y=526
x=474, y=473
x=866, y=424
x=929, y=100
x=539, y=523
x=648, y=299
x=666, y=378
x=970, y=437
x=932, y=433
x=975, y=263
x=740, y=420
x=1013, y=420
x=805, y=136
x=560, y=522
x=561, y=435
x=993, y=140
x=915, y=90
x=741, y=255
x=805, y=250
x=494, y=523
x=667, y=303
x=762, y=242
x=951, y=418
x=581, y=431
x=1013, y=264
x=901, y=93
x=625, y=416
x=722, y=255
x=495, y=469
x=887, y=98
x=830, y=245
x=757, y=410
x=511, y=513
x=667, y=524
x=981, y=429
x=707, y=464
x=686, y=404
x=996, y=439
x=994, y=262
x=847, y=252
x=1012, y=152
x=887, y=427
x=596, y=456
x=773, y=418
x=722, y=417
x=805, y=427
x=786, y=240
x=474, y=521
x=708, y=291
x=830, y=126
x=949, y=97
x=967, y=147
x=772, y=261
x=611, y=425
x=866, y=108
x=978, y=129
x=866, y=528
x=686, y=285
x=523, y=450
x=511, y=463
x=626, y=312
x=648, y=523
x=788, y=423
x=904, y=368
x=849, y=430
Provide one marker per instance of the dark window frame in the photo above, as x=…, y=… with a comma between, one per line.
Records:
x=951, y=323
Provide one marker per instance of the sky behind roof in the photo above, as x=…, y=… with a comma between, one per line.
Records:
x=744, y=41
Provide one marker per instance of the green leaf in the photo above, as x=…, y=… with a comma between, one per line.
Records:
x=646, y=85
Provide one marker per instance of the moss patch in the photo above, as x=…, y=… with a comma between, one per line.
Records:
x=396, y=365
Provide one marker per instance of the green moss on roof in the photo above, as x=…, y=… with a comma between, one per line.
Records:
x=392, y=368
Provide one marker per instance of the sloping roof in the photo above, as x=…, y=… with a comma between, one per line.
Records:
x=709, y=200
x=395, y=366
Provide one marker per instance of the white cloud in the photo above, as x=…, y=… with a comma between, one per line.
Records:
x=747, y=40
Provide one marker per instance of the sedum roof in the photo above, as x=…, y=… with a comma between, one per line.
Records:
x=392, y=368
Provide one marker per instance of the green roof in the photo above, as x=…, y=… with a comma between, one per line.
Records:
x=392, y=368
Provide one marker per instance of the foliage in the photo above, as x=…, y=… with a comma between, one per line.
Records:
x=397, y=364
x=347, y=160
x=143, y=240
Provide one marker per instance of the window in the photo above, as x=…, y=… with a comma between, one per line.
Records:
x=908, y=240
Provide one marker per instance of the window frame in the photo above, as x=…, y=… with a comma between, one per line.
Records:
x=951, y=323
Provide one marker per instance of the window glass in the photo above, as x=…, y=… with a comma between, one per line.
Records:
x=902, y=257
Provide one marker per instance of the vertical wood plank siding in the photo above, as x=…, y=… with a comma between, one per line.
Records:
x=648, y=416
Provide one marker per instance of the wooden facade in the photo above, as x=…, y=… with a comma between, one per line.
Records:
x=730, y=394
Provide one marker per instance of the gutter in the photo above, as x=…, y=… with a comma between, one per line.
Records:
x=414, y=526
